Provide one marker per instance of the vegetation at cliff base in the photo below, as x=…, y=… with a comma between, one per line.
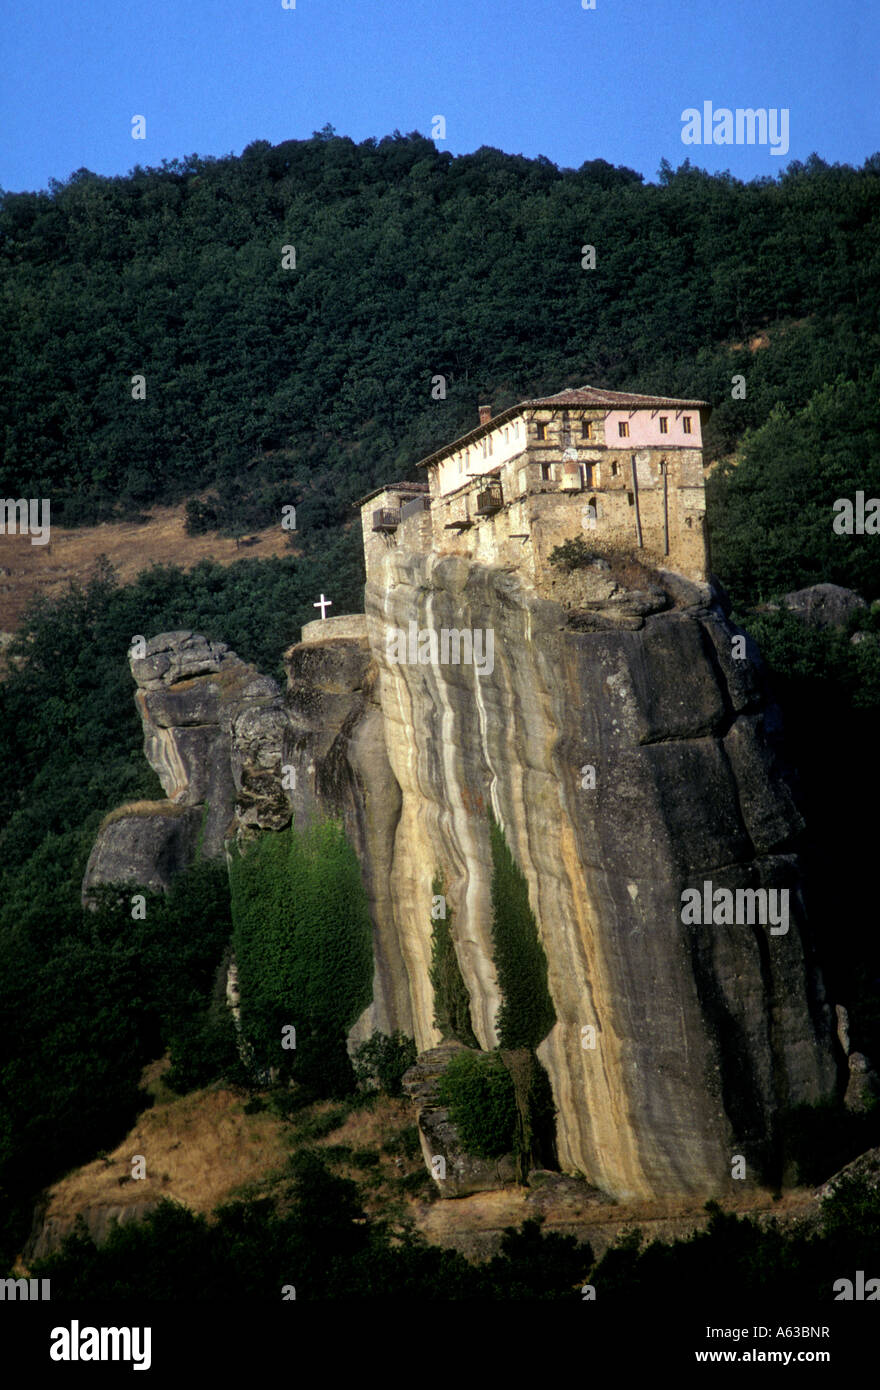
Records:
x=87, y=998
x=248, y=1250
x=479, y=1091
x=303, y=942
x=382, y=1061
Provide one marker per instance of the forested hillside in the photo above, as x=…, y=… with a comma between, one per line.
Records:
x=311, y=384
x=268, y=385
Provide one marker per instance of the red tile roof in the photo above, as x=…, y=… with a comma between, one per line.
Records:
x=596, y=396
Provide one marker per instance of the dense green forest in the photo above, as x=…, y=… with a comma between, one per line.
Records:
x=267, y=386
x=313, y=383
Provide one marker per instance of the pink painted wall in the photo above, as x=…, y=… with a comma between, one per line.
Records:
x=644, y=429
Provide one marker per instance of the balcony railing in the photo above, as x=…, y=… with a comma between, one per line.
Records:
x=490, y=500
x=386, y=519
x=415, y=504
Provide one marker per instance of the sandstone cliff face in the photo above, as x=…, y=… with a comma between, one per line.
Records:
x=702, y=1033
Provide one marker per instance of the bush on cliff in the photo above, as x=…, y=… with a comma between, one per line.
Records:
x=303, y=943
x=480, y=1094
x=526, y=1014
x=452, y=1005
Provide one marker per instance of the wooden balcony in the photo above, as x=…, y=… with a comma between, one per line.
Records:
x=489, y=500
x=386, y=519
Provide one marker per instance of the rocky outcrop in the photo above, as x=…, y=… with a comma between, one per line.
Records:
x=626, y=746
x=213, y=732
x=50, y=1233
x=145, y=844
x=824, y=605
x=457, y=1172
x=335, y=744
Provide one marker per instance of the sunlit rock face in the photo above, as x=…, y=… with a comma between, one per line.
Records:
x=213, y=732
x=702, y=1032
x=629, y=752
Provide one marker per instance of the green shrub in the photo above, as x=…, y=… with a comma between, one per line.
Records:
x=303, y=943
x=452, y=1005
x=382, y=1060
x=526, y=1014
x=479, y=1092
x=572, y=555
x=821, y=1139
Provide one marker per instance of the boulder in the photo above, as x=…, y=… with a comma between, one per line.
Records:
x=824, y=605
x=143, y=845
x=464, y=1173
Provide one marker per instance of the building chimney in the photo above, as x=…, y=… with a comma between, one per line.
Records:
x=485, y=414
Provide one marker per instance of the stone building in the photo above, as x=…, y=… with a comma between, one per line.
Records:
x=622, y=471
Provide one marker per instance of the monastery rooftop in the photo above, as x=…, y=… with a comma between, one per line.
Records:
x=595, y=396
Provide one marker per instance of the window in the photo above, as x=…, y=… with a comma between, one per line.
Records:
x=686, y=424
x=615, y=469
x=485, y=448
x=545, y=472
x=623, y=429
x=505, y=435
x=461, y=463
x=539, y=430
x=664, y=424
x=630, y=499
x=586, y=429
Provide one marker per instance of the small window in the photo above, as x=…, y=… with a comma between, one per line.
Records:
x=505, y=435
x=664, y=424
x=586, y=429
x=630, y=499
x=491, y=444
x=539, y=430
x=545, y=472
x=485, y=448
x=615, y=469
x=461, y=463
x=686, y=424
x=623, y=429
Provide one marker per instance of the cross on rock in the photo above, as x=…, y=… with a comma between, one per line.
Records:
x=323, y=604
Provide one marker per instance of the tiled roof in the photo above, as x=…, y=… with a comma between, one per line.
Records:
x=595, y=396
x=415, y=488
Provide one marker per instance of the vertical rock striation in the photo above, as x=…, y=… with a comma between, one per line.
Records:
x=703, y=1033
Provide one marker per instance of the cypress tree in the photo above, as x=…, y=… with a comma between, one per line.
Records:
x=452, y=1008
x=526, y=1014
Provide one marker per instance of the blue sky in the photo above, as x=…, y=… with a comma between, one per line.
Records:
x=528, y=76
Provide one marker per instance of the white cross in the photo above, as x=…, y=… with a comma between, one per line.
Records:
x=325, y=603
